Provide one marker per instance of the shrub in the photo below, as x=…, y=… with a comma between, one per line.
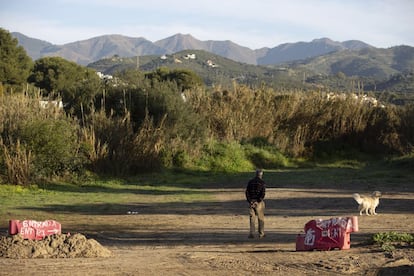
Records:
x=54, y=145
x=36, y=142
x=266, y=158
x=224, y=157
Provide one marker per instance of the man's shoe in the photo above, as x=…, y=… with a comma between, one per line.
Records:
x=261, y=236
x=251, y=236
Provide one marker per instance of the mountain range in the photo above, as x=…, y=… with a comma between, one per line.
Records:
x=93, y=49
x=318, y=63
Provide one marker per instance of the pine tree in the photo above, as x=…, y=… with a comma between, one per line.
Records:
x=15, y=64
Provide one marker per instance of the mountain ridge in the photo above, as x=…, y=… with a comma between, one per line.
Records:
x=379, y=70
x=87, y=51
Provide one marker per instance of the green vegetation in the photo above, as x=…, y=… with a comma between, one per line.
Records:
x=92, y=196
x=15, y=64
x=116, y=195
x=389, y=240
x=75, y=85
x=185, y=79
x=140, y=122
x=221, y=75
x=365, y=71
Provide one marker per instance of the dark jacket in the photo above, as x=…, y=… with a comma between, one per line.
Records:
x=256, y=190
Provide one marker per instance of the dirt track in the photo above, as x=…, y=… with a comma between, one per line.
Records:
x=210, y=238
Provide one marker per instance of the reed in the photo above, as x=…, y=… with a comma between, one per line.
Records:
x=209, y=130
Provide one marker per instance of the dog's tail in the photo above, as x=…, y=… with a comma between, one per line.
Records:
x=357, y=198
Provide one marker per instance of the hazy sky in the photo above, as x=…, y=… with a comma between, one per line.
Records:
x=251, y=23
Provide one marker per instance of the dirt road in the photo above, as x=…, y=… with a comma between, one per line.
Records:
x=210, y=238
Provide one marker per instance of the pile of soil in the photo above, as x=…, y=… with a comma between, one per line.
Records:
x=54, y=246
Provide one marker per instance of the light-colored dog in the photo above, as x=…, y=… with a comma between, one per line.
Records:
x=367, y=203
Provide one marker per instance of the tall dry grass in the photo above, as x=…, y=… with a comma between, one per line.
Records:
x=294, y=121
x=18, y=163
x=163, y=130
x=113, y=147
x=237, y=114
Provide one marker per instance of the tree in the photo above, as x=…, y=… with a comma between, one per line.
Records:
x=15, y=64
x=76, y=85
x=185, y=79
x=54, y=74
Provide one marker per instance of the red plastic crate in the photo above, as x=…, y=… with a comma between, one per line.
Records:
x=34, y=230
x=327, y=234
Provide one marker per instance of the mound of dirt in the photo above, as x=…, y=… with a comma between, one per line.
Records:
x=54, y=246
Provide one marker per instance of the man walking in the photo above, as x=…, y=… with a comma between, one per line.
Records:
x=255, y=194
